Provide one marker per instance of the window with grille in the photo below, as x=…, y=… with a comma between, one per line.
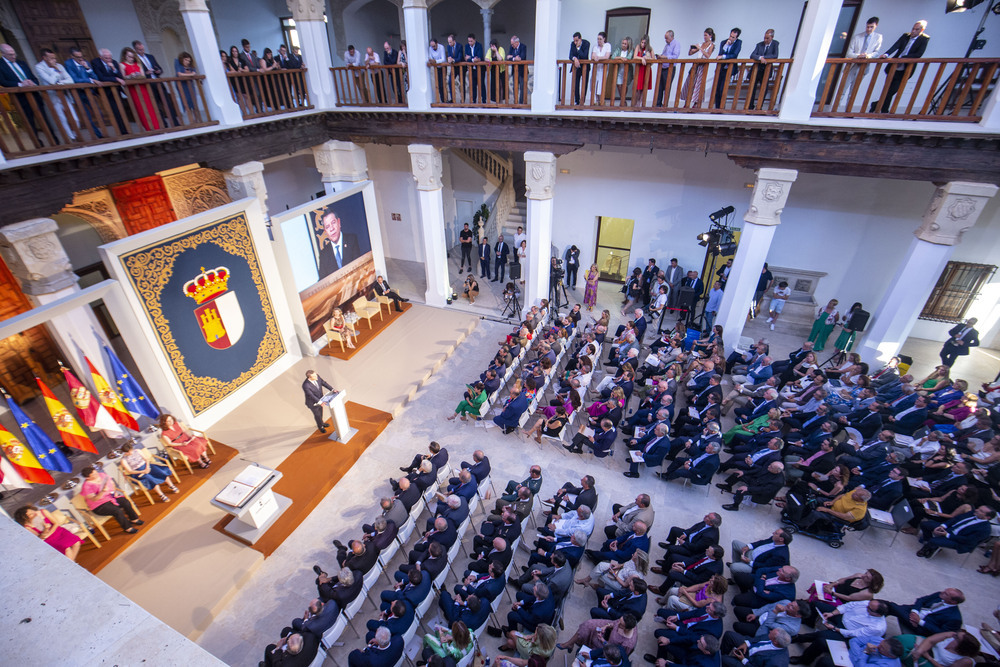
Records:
x=956, y=289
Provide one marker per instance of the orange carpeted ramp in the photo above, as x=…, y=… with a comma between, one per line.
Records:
x=312, y=470
x=94, y=559
x=365, y=335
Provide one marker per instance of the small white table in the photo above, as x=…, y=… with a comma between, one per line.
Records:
x=336, y=402
x=257, y=512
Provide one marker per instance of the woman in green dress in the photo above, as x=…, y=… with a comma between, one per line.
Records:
x=846, y=338
x=473, y=401
x=826, y=319
x=455, y=644
x=754, y=427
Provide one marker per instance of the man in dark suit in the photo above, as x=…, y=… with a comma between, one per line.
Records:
x=529, y=611
x=752, y=558
x=247, y=57
x=454, y=53
x=685, y=628
x=412, y=591
x=510, y=417
x=337, y=249
x=107, y=71
x=390, y=56
x=407, y=494
x=341, y=590
x=621, y=549
x=398, y=620
x=909, y=45
x=728, y=50
x=484, y=258
x=601, y=442
x=909, y=419
x=382, y=288
x=579, y=49
x=517, y=53
x=443, y=533
x=438, y=456
x=960, y=338
x=15, y=73
x=770, y=652
x=762, y=52
x=691, y=570
x=473, y=53
x=574, y=496
x=312, y=388
x=930, y=614
x=480, y=466
x=699, y=469
x=761, y=484
x=288, y=60
x=317, y=619
x=500, y=249
x=433, y=563
x=772, y=585
x=384, y=650
x=356, y=555
x=961, y=533
x=629, y=600
x=683, y=543
x=295, y=649
x=888, y=491
x=653, y=447
x=484, y=586
x=472, y=611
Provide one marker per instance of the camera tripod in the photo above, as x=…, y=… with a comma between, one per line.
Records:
x=513, y=306
x=556, y=290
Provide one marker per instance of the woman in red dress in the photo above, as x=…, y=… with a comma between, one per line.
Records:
x=643, y=71
x=144, y=108
x=173, y=433
x=43, y=524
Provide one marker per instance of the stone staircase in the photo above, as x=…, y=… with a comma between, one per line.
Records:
x=517, y=217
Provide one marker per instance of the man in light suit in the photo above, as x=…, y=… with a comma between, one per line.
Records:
x=728, y=50
x=624, y=517
x=865, y=44
x=312, y=388
x=909, y=45
x=960, y=338
x=763, y=52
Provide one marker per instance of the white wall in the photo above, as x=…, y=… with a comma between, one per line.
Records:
x=113, y=24
x=461, y=182
x=950, y=34
x=290, y=182
x=854, y=229
x=396, y=192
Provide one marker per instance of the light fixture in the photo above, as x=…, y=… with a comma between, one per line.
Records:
x=721, y=213
x=954, y=6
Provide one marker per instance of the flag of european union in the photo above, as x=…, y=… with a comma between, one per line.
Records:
x=133, y=396
x=46, y=451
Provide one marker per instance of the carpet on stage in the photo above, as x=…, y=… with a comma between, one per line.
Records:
x=94, y=559
x=312, y=470
x=365, y=335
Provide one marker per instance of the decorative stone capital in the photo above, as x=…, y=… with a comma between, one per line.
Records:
x=426, y=163
x=953, y=210
x=35, y=255
x=193, y=6
x=341, y=161
x=306, y=10
x=415, y=4
x=770, y=192
x=247, y=180
x=487, y=12
x=539, y=174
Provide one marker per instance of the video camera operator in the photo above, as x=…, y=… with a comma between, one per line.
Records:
x=557, y=291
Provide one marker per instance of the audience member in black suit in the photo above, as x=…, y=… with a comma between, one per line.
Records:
x=762, y=485
x=317, y=619
x=480, y=466
x=686, y=542
x=15, y=73
x=341, y=590
x=382, y=288
x=106, y=68
x=691, y=570
x=360, y=557
x=383, y=534
x=295, y=649
x=438, y=456
x=930, y=614
x=909, y=45
x=384, y=650
x=407, y=494
x=499, y=552
x=398, y=620
x=472, y=611
x=484, y=586
x=443, y=533
x=573, y=496
x=433, y=563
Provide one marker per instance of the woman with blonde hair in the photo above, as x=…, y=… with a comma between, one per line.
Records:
x=340, y=325
x=541, y=643
x=615, y=575
x=592, y=276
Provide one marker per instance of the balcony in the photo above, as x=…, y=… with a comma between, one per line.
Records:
x=262, y=94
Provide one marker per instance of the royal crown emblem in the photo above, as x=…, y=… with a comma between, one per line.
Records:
x=80, y=397
x=218, y=314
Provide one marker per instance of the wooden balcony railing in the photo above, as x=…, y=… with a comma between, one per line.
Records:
x=924, y=89
x=261, y=94
x=372, y=86
x=482, y=84
x=714, y=86
x=43, y=119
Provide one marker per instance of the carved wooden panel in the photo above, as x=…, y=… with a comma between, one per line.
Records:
x=195, y=191
x=143, y=204
x=55, y=24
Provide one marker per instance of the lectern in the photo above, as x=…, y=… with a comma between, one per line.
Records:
x=336, y=401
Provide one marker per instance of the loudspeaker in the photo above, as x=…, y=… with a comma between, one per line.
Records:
x=515, y=271
x=859, y=320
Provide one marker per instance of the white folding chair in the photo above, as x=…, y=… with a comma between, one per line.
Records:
x=405, y=531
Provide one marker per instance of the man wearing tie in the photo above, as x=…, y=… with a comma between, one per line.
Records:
x=312, y=388
x=961, y=338
x=15, y=73
x=673, y=274
x=484, y=258
x=762, y=53
x=729, y=50
x=106, y=68
x=909, y=45
x=81, y=72
x=154, y=71
x=501, y=250
x=337, y=249
x=864, y=45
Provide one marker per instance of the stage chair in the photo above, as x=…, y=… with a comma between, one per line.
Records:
x=96, y=519
x=137, y=487
x=366, y=309
x=384, y=301
x=60, y=519
x=333, y=337
x=174, y=456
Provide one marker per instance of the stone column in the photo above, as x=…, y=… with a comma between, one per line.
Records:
x=545, y=87
x=415, y=21
x=343, y=165
x=991, y=114
x=205, y=46
x=811, y=50
x=35, y=256
x=954, y=208
x=540, y=179
x=308, y=15
x=770, y=192
x=247, y=180
x=487, y=13
x=425, y=161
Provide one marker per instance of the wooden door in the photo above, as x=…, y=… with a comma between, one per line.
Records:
x=55, y=24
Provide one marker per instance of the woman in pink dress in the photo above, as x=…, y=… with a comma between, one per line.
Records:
x=44, y=525
x=173, y=433
x=131, y=69
x=590, y=293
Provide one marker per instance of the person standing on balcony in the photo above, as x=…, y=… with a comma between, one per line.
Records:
x=579, y=50
x=474, y=54
x=141, y=100
x=622, y=55
x=643, y=71
x=436, y=56
x=353, y=58
x=671, y=51
x=695, y=88
x=107, y=70
x=390, y=56
x=51, y=73
x=455, y=55
x=865, y=44
x=763, y=52
x=518, y=52
x=497, y=76
x=599, y=54
x=287, y=60
x=378, y=81
x=909, y=45
x=81, y=72
x=152, y=69
x=728, y=50
x=248, y=59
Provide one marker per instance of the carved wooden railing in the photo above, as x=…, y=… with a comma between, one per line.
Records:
x=371, y=86
x=482, y=84
x=43, y=119
x=908, y=89
x=261, y=94
x=747, y=87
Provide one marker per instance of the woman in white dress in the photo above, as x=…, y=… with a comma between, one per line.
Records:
x=599, y=53
x=522, y=259
x=697, y=88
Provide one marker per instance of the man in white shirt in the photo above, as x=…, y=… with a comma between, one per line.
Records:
x=861, y=618
x=435, y=55
x=520, y=236
x=863, y=45
x=354, y=58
